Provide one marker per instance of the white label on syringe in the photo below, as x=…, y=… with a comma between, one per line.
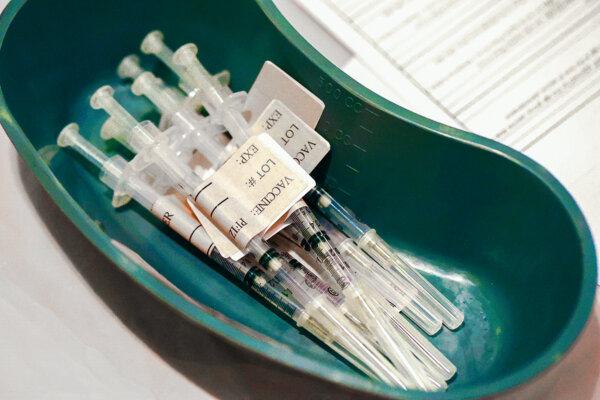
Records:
x=257, y=185
x=225, y=246
x=274, y=83
x=298, y=139
x=173, y=213
x=283, y=222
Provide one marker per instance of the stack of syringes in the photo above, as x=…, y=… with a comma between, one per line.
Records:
x=332, y=275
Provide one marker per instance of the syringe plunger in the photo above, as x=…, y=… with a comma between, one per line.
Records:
x=154, y=44
x=111, y=167
x=129, y=67
x=103, y=99
x=166, y=99
x=70, y=137
x=216, y=99
x=195, y=75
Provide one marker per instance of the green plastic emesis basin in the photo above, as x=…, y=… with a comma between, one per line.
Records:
x=509, y=244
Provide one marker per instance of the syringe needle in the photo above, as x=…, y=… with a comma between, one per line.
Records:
x=368, y=240
x=398, y=292
x=146, y=145
x=215, y=101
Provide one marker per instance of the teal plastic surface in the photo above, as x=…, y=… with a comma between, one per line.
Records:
x=513, y=250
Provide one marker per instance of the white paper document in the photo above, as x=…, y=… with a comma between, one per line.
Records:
x=523, y=72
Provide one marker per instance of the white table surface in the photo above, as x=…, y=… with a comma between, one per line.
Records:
x=69, y=321
x=74, y=327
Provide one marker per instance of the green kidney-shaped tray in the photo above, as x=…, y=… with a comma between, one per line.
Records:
x=509, y=244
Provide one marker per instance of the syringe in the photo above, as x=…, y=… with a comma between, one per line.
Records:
x=111, y=129
x=118, y=175
x=217, y=98
x=224, y=108
x=438, y=368
x=152, y=146
x=218, y=103
x=194, y=75
x=207, y=135
x=119, y=131
x=146, y=140
x=433, y=359
x=153, y=88
x=388, y=299
x=154, y=44
x=169, y=102
x=368, y=240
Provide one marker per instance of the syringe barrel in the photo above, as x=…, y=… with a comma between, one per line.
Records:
x=301, y=273
x=153, y=148
x=277, y=268
x=293, y=234
x=237, y=269
x=305, y=221
x=142, y=136
x=140, y=191
x=202, y=133
x=112, y=171
x=249, y=274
